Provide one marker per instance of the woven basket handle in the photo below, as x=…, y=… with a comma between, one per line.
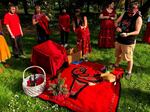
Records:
x=35, y=67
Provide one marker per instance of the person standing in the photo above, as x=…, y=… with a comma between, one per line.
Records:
x=106, y=36
x=12, y=22
x=4, y=49
x=42, y=24
x=146, y=37
x=64, y=26
x=80, y=27
x=129, y=26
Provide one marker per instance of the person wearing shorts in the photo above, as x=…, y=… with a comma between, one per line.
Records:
x=128, y=25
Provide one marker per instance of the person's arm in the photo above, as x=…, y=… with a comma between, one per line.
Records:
x=1, y=29
x=73, y=25
x=47, y=18
x=68, y=24
x=34, y=21
x=118, y=29
x=9, y=30
x=21, y=30
x=60, y=23
x=85, y=22
x=101, y=16
x=114, y=17
x=138, y=26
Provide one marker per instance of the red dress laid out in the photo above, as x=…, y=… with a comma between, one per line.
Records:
x=147, y=33
x=107, y=31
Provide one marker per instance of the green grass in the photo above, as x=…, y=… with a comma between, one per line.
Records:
x=135, y=94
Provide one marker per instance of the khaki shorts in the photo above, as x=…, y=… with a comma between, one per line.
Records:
x=124, y=51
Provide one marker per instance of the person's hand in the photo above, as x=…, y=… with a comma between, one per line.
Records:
x=74, y=30
x=12, y=36
x=83, y=27
x=22, y=34
x=123, y=34
x=63, y=28
x=112, y=18
x=37, y=21
x=118, y=29
x=107, y=17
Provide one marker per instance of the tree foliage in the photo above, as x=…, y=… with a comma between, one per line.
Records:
x=51, y=5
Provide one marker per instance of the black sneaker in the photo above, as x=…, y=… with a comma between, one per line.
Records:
x=16, y=56
x=114, y=66
x=128, y=76
x=86, y=60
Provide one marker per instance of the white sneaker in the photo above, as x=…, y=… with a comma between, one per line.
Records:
x=23, y=56
x=65, y=45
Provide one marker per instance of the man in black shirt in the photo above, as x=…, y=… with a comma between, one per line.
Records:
x=128, y=25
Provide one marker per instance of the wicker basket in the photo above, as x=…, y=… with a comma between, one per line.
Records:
x=33, y=91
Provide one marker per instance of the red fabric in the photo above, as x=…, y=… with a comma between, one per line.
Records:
x=38, y=81
x=49, y=55
x=43, y=22
x=13, y=22
x=102, y=97
x=107, y=31
x=64, y=22
x=83, y=40
x=147, y=34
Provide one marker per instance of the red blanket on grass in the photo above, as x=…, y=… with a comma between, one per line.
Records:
x=102, y=97
x=50, y=56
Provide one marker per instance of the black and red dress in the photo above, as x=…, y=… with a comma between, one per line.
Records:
x=83, y=35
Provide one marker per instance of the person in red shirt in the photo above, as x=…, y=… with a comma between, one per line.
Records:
x=12, y=22
x=64, y=26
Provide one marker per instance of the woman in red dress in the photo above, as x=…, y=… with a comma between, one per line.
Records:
x=147, y=32
x=107, y=26
x=80, y=27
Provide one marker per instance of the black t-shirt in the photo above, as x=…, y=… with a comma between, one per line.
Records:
x=128, y=25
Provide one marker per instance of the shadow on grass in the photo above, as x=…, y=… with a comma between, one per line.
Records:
x=19, y=64
x=16, y=87
x=134, y=99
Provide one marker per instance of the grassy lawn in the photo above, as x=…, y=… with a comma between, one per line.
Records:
x=135, y=93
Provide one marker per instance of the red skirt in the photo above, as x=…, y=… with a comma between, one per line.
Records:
x=83, y=40
x=106, y=36
x=147, y=34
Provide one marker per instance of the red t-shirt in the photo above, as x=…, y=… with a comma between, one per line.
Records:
x=14, y=23
x=64, y=21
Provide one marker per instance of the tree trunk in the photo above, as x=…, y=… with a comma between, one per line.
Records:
x=127, y=2
x=59, y=3
x=88, y=6
x=25, y=6
x=145, y=8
